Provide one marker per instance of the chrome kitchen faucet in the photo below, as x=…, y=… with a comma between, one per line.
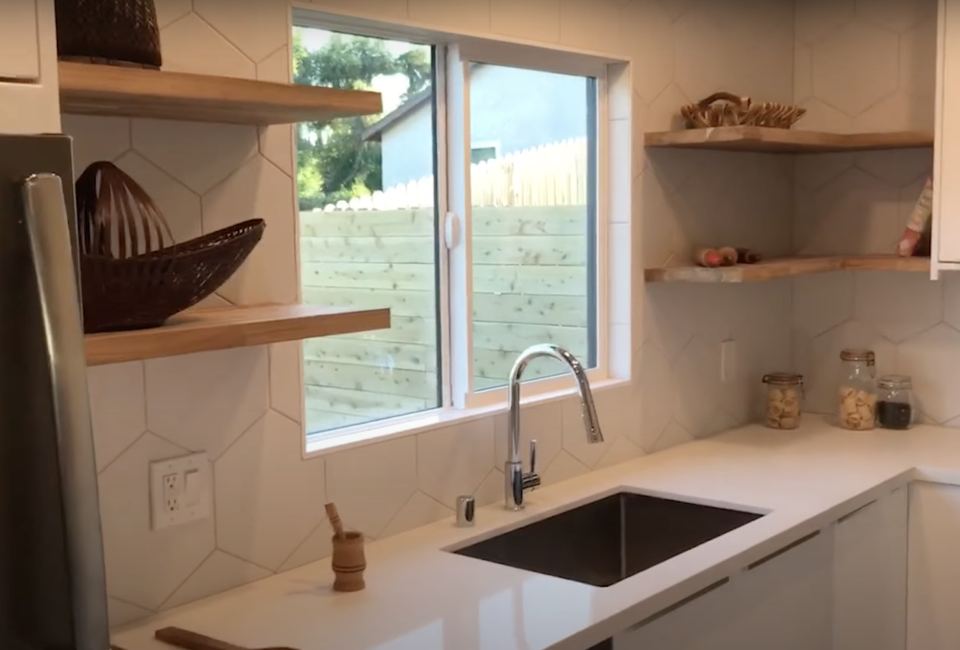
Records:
x=516, y=481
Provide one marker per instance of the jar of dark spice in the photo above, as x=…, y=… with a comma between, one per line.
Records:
x=895, y=409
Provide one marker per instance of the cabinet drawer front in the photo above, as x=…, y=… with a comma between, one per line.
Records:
x=784, y=602
x=933, y=588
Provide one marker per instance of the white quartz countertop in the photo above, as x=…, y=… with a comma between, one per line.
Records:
x=422, y=597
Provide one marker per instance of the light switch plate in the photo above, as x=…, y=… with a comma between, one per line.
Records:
x=180, y=490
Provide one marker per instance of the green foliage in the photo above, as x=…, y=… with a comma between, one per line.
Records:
x=334, y=162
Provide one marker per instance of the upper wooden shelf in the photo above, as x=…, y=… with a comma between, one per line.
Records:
x=133, y=92
x=203, y=330
x=766, y=140
x=788, y=267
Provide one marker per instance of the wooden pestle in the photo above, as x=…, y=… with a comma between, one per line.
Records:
x=334, y=518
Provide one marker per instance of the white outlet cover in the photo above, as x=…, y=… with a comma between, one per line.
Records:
x=160, y=517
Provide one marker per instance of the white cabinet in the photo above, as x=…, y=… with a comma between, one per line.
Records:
x=29, y=92
x=844, y=589
x=783, y=603
x=933, y=588
x=19, y=45
x=870, y=576
x=946, y=197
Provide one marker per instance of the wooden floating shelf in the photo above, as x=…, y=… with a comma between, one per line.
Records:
x=787, y=267
x=204, y=330
x=133, y=92
x=766, y=140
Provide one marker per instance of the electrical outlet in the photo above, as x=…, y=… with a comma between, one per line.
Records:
x=180, y=490
x=171, y=493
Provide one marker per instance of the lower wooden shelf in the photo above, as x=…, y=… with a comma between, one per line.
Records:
x=787, y=267
x=203, y=330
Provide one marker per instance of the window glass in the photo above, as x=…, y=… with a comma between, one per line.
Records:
x=534, y=219
x=479, y=154
x=367, y=224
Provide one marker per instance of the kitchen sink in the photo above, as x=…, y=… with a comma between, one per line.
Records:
x=608, y=540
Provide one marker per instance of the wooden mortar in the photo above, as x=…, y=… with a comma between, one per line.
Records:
x=348, y=562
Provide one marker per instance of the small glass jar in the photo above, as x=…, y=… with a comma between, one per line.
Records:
x=895, y=408
x=784, y=400
x=858, y=393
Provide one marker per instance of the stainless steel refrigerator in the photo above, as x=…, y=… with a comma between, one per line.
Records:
x=52, y=584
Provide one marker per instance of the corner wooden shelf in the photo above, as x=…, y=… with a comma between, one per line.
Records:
x=787, y=267
x=204, y=330
x=766, y=140
x=133, y=92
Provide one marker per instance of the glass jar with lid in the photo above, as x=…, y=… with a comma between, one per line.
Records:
x=895, y=408
x=784, y=400
x=858, y=394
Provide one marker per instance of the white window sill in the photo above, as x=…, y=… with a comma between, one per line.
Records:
x=321, y=444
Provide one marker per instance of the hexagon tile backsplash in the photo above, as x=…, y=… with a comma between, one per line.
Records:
x=869, y=65
x=243, y=407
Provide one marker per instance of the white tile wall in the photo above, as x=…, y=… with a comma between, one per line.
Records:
x=865, y=65
x=243, y=406
x=876, y=72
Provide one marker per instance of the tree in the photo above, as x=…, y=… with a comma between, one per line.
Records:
x=334, y=161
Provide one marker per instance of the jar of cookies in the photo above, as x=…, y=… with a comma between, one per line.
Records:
x=784, y=400
x=858, y=392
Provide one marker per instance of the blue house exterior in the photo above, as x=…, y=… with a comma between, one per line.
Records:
x=511, y=109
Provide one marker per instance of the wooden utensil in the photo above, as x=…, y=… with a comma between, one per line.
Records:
x=194, y=641
x=334, y=518
x=348, y=561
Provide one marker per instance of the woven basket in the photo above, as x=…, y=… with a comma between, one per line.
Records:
x=130, y=277
x=116, y=32
x=739, y=111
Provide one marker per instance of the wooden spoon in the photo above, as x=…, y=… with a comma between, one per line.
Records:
x=193, y=641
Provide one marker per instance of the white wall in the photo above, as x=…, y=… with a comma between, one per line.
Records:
x=872, y=69
x=243, y=406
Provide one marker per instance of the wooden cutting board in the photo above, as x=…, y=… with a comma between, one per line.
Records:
x=192, y=641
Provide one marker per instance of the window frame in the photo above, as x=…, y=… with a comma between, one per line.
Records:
x=454, y=52
x=459, y=61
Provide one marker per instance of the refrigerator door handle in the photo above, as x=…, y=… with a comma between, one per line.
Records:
x=49, y=236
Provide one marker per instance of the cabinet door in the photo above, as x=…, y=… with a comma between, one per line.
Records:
x=29, y=90
x=933, y=579
x=19, y=43
x=784, y=603
x=946, y=190
x=870, y=576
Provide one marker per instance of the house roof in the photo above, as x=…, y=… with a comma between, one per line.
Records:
x=374, y=131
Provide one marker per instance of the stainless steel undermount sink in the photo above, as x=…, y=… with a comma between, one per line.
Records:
x=608, y=540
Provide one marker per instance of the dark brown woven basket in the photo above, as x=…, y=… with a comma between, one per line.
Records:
x=116, y=32
x=129, y=279
x=144, y=291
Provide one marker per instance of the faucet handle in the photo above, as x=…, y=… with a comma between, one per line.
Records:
x=531, y=481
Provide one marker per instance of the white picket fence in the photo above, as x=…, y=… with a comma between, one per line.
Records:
x=551, y=174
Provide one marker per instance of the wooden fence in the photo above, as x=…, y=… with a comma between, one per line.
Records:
x=530, y=283
x=552, y=174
